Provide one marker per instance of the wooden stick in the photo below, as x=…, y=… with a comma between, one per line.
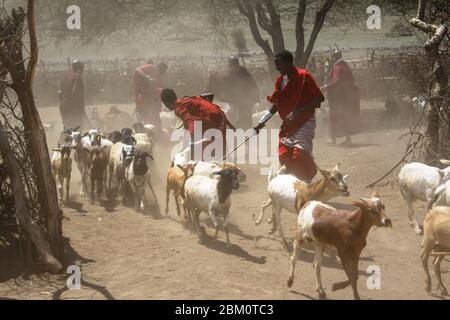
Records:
x=390, y=171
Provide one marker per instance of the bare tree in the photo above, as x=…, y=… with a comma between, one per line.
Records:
x=437, y=117
x=17, y=65
x=264, y=15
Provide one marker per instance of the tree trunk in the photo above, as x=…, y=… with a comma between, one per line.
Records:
x=48, y=197
x=22, y=214
x=434, y=146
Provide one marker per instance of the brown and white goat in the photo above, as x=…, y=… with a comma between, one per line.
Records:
x=176, y=179
x=62, y=170
x=98, y=162
x=346, y=231
x=290, y=193
x=436, y=232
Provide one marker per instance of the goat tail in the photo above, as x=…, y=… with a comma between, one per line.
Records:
x=437, y=194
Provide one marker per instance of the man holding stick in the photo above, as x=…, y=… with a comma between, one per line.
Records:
x=197, y=109
x=295, y=99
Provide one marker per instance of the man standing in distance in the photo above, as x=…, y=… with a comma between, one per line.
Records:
x=71, y=98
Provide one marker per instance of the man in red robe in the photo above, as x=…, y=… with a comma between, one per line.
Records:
x=71, y=98
x=343, y=99
x=295, y=99
x=148, y=86
x=197, y=109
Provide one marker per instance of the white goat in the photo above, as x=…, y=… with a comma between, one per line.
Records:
x=120, y=156
x=211, y=196
x=81, y=157
x=419, y=181
x=290, y=193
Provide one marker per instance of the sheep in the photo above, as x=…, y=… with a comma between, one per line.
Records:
x=419, y=181
x=290, y=193
x=211, y=196
x=114, y=137
x=207, y=169
x=436, y=233
x=61, y=164
x=127, y=136
x=176, y=179
x=136, y=176
x=345, y=230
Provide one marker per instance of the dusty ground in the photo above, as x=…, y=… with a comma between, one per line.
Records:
x=125, y=255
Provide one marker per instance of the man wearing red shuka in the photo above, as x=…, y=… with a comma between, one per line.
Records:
x=295, y=99
x=343, y=99
x=148, y=86
x=197, y=109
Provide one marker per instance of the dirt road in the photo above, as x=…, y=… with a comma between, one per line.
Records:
x=126, y=255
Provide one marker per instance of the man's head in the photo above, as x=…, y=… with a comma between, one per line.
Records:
x=78, y=66
x=233, y=61
x=337, y=54
x=284, y=61
x=162, y=68
x=169, y=97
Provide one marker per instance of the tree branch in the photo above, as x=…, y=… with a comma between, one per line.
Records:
x=300, y=31
x=34, y=50
x=318, y=23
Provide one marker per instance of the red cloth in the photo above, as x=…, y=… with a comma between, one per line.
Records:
x=298, y=162
x=300, y=90
x=192, y=109
x=343, y=99
x=147, y=97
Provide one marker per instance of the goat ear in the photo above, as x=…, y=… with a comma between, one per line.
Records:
x=376, y=194
x=446, y=162
x=362, y=203
x=323, y=172
x=338, y=167
x=148, y=155
x=345, y=178
x=76, y=128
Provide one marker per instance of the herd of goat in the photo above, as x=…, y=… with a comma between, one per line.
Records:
x=115, y=162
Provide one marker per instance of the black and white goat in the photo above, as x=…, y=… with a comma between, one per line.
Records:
x=136, y=176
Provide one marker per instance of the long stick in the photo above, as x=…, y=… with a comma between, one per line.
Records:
x=237, y=147
x=390, y=171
